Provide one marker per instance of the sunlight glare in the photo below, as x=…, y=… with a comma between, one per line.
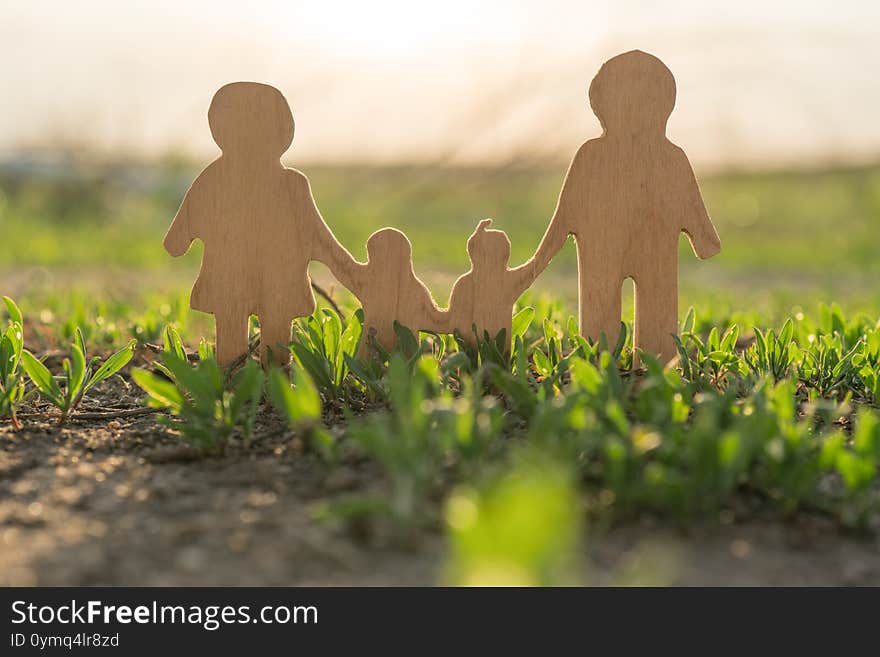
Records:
x=391, y=28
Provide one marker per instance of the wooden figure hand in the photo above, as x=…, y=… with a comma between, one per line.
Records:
x=697, y=224
x=706, y=243
x=347, y=270
x=526, y=273
x=176, y=241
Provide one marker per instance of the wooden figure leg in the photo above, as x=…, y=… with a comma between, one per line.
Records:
x=600, y=309
x=274, y=338
x=656, y=318
x=232, y=336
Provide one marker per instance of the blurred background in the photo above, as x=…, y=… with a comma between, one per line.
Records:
x=431, y=116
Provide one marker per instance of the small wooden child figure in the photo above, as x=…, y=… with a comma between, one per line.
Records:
x=626, y=199
x=485, y=295
x=388, y=289
x=259, y=224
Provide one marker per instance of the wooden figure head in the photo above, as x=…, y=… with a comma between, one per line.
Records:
x=488, y=248
x=251, y=120
x=633, y=93
x=390, y=246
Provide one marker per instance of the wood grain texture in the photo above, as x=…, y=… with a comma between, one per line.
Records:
x=627, y=197
x=389, y=290
x=259, y=224
x=484, y=296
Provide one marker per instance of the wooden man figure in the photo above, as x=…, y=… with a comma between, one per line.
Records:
x=259, y=224
x=484, y=296
x=626, y=198
x=388, y=289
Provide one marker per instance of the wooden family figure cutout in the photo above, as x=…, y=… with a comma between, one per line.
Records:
x=627, y=197
x=485, y=295
x=259, y=224
x=389, y=290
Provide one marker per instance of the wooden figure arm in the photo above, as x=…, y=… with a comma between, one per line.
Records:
x=327, y=249
x=432, y=317
x=439, y=318
x=697, y=225
x=179, y=236
x=521, y=278
x=345, y=268
x=553, y=240
x=571, y=203
x=452, y=313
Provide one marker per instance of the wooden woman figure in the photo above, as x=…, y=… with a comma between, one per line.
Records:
x=259, y=224
x=626, y=198
x=388, y=289
x=484, y=296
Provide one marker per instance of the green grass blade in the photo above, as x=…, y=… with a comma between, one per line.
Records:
x=521, y=322
x=77, y=371
x=113, y=364
x=42, y=378
x=162, y=393
x=13, y=310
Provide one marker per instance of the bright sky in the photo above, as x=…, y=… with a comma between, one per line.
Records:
x=401, y=80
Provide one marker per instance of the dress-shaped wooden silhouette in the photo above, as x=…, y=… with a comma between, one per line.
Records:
x=484, y=296
x=626, y=198
x=388, y=289
x=259, y=224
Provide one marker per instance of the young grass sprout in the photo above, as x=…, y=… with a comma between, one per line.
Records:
x=11, y=380
x=66, y=391
x=210, y=408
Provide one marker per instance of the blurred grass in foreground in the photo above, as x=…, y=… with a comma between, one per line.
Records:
x=522, y=531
